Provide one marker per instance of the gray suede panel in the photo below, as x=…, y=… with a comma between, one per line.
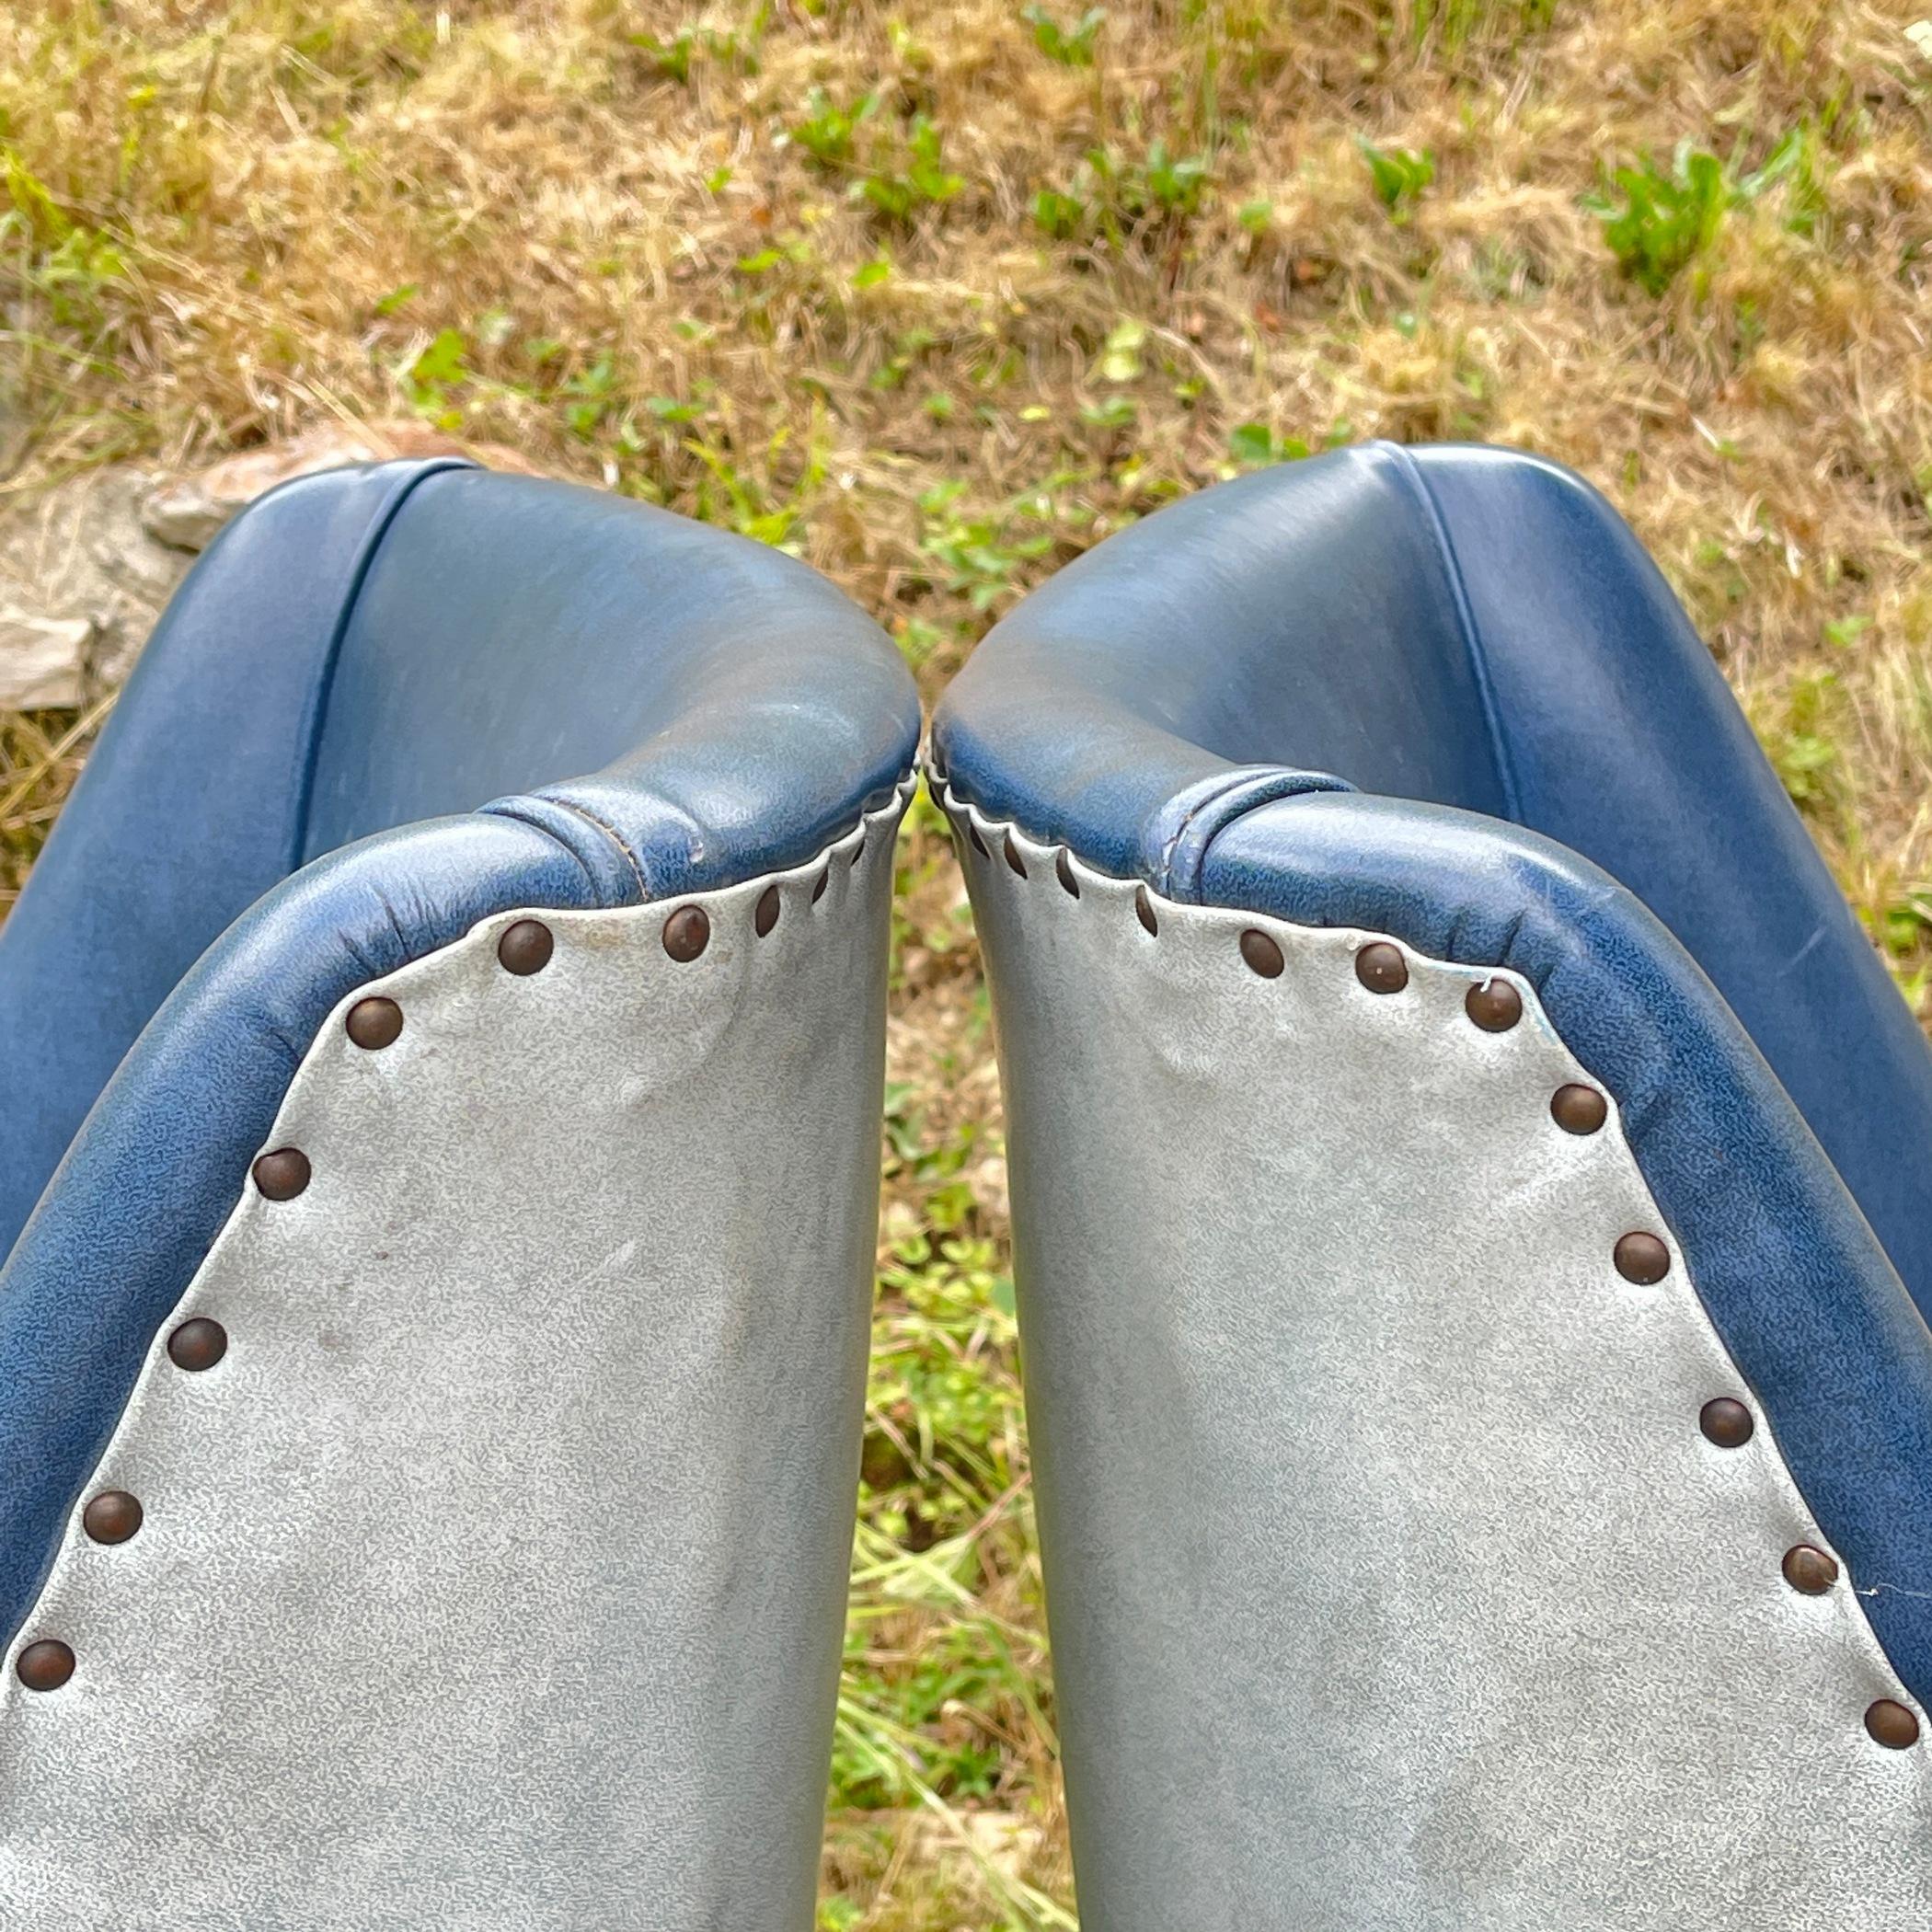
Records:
x=1392, y=1584
x=496, y=1577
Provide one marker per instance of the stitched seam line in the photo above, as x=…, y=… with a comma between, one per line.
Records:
x=899, y=794
x=1180, y=830
x=1411, y=472
x=1261, y=781
x=312, y=724
x=506, y=809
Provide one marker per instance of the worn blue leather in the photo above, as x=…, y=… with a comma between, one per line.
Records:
x=189, y=810
x=1472, y=638
x=357, y=732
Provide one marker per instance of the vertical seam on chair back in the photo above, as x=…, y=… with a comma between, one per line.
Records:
x=1411, y=472
x=316, y=720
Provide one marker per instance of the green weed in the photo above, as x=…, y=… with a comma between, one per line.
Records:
x=1400, y=174
x=1071, y=46
x=829, y=133
x=913, y=178
x=434, y=373
x=1254, y=444
x=981, y=557
x=1667, y=218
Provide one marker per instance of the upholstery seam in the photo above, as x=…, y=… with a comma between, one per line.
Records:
x=1180, y=830
x=323, y=690
x=296, y=1050
x=895, y=802
x=1318, y=784
x=502, y=808
x=891, y=809
x=1627, y=1128
x=1411, y=472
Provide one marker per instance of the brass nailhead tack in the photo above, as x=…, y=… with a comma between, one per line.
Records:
x=282, y=1174
x=197, y=1344
x=1891, y=1725
x=1381, y=967
x=687, y=933
x=525, y=947
x=1013, y=857
x=1064, y=872
x=46, y=1665
x=1808, y=1571
x=1579, y=1109
x=1262, y=954
x=376, y=1023
x=824, y=880
x=1642, y=1258
x=979, y=845
x=113, y=1516
x=1144, y=909
x=1727, y=1422
x=1495, y=1006
x=766, y=915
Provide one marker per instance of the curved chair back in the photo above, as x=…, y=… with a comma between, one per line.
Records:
x=372, y=648
x=1447, y=1335
x=478, y=884
x=1469, y=628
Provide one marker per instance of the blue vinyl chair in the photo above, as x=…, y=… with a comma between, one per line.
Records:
x=1471, y=1180
x=440, y=1191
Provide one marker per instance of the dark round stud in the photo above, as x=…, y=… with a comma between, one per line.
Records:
x=1808, y=1571
x=1064, y=872
x=687, y=933
x=819, y=885
x=1495, y=1006
x=1727, y=1422
x=1381, y=967
x=197, y=1344
x=766, y=915
x=525, y=947
x=1262, y=954
x=113, y=1516
x=1579, y=1109
x=1144, y=909
x=1886, y=1723
x=1642, y=1258
x=374, y=1023
x=282, y=1174
x=46, y=1665
x=1013, y=857
x=979, y=845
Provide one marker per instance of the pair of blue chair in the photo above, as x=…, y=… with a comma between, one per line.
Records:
x=1469, y=1190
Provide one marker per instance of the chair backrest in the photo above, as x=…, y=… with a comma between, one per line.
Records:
x=527, y=1444
x=174, y=957
x=1480, y=1437
x=370, y=648
x=1469, y=628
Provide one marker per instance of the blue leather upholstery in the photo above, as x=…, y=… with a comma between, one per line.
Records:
x=1475, y=640
x=307, y=756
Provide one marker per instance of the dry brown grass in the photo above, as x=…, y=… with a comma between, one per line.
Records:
x=231, y=220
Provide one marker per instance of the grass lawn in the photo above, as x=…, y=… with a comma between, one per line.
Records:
x=937, y=296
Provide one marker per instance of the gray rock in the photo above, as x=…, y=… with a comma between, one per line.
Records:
x=76, y=556
x=186, y=513
x=43, y=660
